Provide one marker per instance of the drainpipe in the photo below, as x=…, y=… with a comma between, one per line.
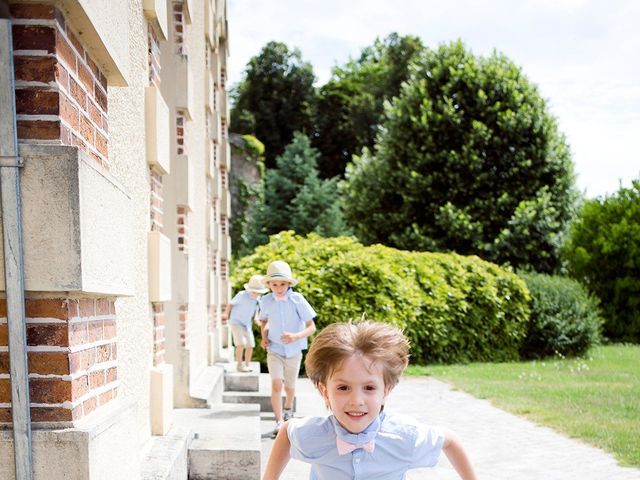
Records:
x=10, y=206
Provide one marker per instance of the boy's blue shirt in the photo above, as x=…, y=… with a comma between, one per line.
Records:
x=401, y=444
x=244, y=308
x=290, y=315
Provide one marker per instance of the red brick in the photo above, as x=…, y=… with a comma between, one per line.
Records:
x=107, y=396
x=112, y=374
x=3, y=307
x=32, y=11
x=89, y=405
x=34, y=69
x=87, y=307
x=85, y=77
x=94, y=331
x=94, y=113
x=45, y=363
x=34, y=37
x=96, y=379
x=5, y=390
x=52, y=334
x=5, y=415
x=65, y=135
x=53, y=414
x=69, y=112
x=38, y=129
x=75, y=42
x=4, y=362
x=79, y=387
x=66, y=53
x=3, y=335
x=78, y=93
x=100, y=95
x=62, y=75
x=109, y=329
x=103, y=353
x=77, y=141
x=47, y=308
x=49, y=390
x=78, y=333
x=36, y=102
x=87, y=130
x=101, y=144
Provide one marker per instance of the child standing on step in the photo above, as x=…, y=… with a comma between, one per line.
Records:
x=241, y=312
x=355, y=366
x=286, y=320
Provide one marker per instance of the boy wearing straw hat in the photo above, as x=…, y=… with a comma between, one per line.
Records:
x=241, y=312
x=286, y=320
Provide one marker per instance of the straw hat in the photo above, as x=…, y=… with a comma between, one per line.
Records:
x=279, y=270
x=255, y=285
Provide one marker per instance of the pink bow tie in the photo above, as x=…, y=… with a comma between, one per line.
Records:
x=346, y=447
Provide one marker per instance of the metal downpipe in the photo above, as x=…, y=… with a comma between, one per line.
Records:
x=10, y=206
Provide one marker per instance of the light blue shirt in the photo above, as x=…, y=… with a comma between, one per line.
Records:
x=244, y=308
x=290, y=315
x=401, y=444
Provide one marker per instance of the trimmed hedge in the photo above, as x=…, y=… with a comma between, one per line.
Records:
x=452, y=308
x=564, y=317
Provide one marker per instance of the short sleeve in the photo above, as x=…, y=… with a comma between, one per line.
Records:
x=428, y=446
x=236, y=299
x=305, y=311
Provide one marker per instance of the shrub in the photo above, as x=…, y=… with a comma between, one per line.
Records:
x=452, y=308
x=564, y=317
x=603, y=253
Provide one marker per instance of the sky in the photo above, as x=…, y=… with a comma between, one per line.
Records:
x=584, y=56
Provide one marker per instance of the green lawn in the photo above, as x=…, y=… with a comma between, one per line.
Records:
x=595, y=398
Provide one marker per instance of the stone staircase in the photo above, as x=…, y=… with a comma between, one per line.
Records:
x=219, y=442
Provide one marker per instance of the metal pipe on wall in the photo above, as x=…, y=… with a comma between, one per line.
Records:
x=10, y=206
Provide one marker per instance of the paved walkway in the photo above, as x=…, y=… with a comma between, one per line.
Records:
x=502, y=446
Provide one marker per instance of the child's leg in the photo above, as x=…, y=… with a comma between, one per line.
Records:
x=239, y=342
x=291, y=371
x=276, y=371
x=247, y=355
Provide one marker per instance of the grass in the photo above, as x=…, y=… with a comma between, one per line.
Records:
x=595, y=398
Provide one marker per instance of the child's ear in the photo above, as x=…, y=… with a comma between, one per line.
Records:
x=323, y=391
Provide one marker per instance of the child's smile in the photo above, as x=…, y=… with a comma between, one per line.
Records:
x=355, y=393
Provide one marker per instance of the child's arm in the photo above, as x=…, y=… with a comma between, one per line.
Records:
x=279, y=457
x=264, y=333
x=310, y=327
x=457, y=456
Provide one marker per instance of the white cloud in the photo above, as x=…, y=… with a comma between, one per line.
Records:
x=583, y=54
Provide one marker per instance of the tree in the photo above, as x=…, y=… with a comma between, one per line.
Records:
x=469, y=160
x=274, y=99
x=295, y=198
x=603, y=252
x=350, y=106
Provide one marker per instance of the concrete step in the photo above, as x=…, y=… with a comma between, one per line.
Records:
x=226, y=443
x=241, y=381
x=166, y=457
x=208, y=387
x=262, y=396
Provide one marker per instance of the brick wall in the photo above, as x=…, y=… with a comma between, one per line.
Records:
x=182, y=228
x=158, y=333
x=72, y=358
x=61, y=94
x=183, y=324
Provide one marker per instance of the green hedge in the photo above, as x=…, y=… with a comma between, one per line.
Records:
x=564, y=317
x=453, y=308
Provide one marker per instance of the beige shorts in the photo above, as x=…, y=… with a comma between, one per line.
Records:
x=284, y=368
x=242, y=337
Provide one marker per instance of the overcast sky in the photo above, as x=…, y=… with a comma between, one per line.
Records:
x=584, y=55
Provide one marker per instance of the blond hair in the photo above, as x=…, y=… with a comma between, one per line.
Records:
x=379, y=342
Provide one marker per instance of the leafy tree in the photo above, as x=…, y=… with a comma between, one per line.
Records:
x=295, y=198
x=274, y=99
x=351, y=105
x=603, y=252
x=469, y=161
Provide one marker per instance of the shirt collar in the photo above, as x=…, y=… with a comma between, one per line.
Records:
x=366, y=435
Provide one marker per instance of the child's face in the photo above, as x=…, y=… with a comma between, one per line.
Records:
x=278, y=287
x=355, y=392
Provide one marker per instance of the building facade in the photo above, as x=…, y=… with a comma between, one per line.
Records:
x=121, y=115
